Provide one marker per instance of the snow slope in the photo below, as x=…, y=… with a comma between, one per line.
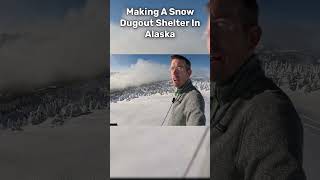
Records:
x=158, y=152
x=307, y=106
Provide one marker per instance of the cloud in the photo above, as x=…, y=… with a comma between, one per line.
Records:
x=201, y=72
x=297, y=35
x=142, y=72
x=51, y=50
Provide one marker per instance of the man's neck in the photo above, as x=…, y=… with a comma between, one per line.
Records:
x=229, y=80
x=245, y=75
x=181, y=88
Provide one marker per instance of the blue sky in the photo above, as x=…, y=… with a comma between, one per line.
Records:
x=122, y=62
x=118, y=7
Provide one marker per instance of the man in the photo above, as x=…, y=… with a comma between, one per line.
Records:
x=188, y=104
x=255, y=131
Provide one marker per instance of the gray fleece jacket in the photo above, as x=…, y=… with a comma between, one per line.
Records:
x=188, y=107
x=256, y=133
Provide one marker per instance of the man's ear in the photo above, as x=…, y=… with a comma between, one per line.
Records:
x=189, y=71
x=254, y=36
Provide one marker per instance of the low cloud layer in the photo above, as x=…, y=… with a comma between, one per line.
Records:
x=296, y=35
x=132, y=41
x=142, y=72
x=54, y=50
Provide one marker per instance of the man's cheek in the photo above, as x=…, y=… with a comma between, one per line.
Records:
x=231, y=46
x=222, y=42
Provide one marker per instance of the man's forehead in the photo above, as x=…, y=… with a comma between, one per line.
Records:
x=176, y=61
x=225, y=8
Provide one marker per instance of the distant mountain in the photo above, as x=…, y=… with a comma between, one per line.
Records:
x=161, y=87
x=113, y=73
x=290, y=56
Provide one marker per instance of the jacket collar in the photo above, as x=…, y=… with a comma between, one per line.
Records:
x=239, y=82
x=183, y=88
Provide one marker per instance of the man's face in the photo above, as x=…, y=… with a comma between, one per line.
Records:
x=230, y=42
x=180, y=73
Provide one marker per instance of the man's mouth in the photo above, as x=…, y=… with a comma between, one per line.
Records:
x=175, y=79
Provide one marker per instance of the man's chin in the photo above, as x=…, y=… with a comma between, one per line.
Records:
x=177, y=84
x=215, y=70
x=174, y=84
x=214, y=76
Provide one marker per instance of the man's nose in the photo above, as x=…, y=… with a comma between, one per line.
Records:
x=174, y=71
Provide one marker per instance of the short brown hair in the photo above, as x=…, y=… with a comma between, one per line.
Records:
x=180, y=57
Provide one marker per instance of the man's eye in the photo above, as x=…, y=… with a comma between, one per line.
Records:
x=221, y=24
x=179, y=68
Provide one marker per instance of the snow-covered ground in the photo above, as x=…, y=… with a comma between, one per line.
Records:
x=140, y=147
x=158, y=151
x=148, y=104
x=148, y=110
x=307, y=106
x=76, y=150
x=152, y=147
x=79, y=148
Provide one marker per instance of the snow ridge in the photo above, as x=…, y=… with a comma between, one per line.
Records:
x=160, y=87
